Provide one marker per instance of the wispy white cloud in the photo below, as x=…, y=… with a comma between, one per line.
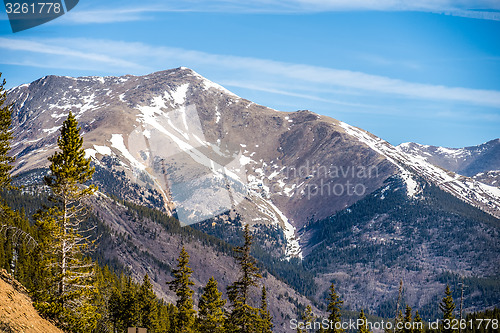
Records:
x=106, y=16
x=124, y=11
x=261, y=86
x=118, y=14
x=55, y=53
x=114, y=57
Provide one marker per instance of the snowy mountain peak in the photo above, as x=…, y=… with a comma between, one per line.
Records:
x=480, y=162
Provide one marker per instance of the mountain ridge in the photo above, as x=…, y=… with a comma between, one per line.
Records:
x=480, y=162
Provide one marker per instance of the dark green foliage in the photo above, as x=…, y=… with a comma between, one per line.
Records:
x=448, y=227
x=483, y=322
x=69, y=275
x=131, y=304
x=308, y=318
x=364, y=327
x=244, y=318
x=148, y=306
x=333, y=308
x=447, y=307
x=266, y=324
x=266, y=250
x=407, y=320
x=211, y=315
x=181, y=285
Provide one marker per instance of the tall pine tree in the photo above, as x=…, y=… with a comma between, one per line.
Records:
x=148, y=306
x=419, y=324
x=181, y=285
x=308, y=318
x=6, y=215
x=211, y=316
x=115, y=309
x=363, y=323
x=334, y=306
x=447, y=306
x=244, y=318
x=266, y=325
x=407, y=321
x=65, y=246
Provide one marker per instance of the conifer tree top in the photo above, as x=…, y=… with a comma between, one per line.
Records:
x=70, y=165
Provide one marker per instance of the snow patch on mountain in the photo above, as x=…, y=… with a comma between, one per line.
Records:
x=207, y=84
x=118, y=143
x=293, y=248
x=103, y=150
x=49, y=131
x=179, y=95
x=217, y=115
x=412, y=188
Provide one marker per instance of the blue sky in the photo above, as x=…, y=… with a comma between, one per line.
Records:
x=423, y=71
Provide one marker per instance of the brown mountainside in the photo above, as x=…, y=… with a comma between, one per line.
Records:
x=17, y=314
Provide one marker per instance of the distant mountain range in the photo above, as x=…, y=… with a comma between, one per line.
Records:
x=480, y=162
x=326, y=200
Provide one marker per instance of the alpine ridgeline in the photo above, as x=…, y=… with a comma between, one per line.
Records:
x=334, y=200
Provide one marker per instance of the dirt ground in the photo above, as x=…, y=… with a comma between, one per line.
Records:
x=16, y=310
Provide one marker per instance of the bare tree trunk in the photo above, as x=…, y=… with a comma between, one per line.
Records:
x=62, y=284
x=398, y=303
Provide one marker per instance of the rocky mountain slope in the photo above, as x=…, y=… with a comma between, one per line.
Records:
x=175, y=141
x=16, y=310
x=480, y=162
x=176, y=134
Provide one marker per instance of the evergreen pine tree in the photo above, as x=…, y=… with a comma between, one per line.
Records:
x=363, y=328
x=244, y=318
x=211, y=312
x=5, y=137
x=181, y=285
x=116, y=309
x=64, y=249
x=129, y=311
x=6, y=213
x=334, y=305
x=266, y=325
x=407, y=328
x=308, y=319
x=398, y=326
x=106, y=280
x=418, y=320
x=148, y=306
x=166, y=314
x=16, y=242
x=447, y=306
